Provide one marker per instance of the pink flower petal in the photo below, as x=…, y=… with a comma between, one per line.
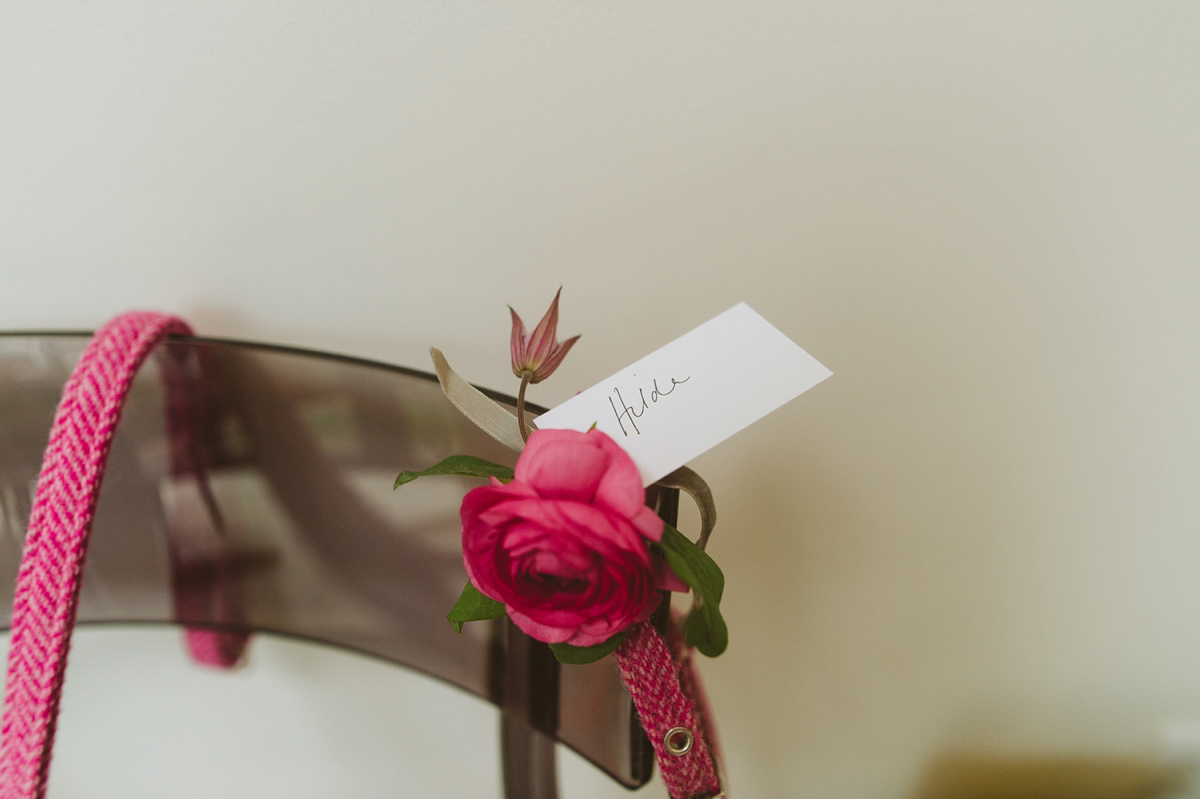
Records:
x=537, y=630
x=602, y=531
x=551, y=363
x=541, y=341
x=648, y=524
x=517, y=343
x=586, y=639
x=559, y=467
x=620, y=490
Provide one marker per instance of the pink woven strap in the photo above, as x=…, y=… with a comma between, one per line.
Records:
x=202, y=580
x=668, y=696
x=47, y=594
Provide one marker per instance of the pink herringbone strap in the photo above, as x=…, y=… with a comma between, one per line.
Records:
x=203, y=584
x=47, y=593
x=667, y=695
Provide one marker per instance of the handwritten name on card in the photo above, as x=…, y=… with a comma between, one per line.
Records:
x=627, y=413
x=695, y=392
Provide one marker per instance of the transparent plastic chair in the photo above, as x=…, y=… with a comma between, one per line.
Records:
x=249, y=490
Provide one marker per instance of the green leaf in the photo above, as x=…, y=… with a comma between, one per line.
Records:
x=462, y=465
x=578, y=655
x=705, y=628
x=473, y=606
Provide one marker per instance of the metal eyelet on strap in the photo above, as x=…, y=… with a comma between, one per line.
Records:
x=678, y=740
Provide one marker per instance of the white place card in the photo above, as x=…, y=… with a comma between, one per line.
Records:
x=694, y=393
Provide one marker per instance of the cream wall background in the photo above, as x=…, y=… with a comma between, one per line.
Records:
x=982, y=535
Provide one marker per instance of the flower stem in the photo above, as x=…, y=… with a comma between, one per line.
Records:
x=521, y=406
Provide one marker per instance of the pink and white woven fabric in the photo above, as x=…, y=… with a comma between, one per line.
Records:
x=671, y=705
x=47, y=594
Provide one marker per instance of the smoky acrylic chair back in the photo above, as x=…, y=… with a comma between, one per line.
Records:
x=249, y=491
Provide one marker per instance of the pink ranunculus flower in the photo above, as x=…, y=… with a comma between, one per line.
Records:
x=563, y=545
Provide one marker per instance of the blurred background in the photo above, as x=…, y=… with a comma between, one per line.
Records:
x=965, y=566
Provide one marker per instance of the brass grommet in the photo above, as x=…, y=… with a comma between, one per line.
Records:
x=678, y=740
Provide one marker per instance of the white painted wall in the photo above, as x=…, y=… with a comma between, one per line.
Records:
x=983, y=534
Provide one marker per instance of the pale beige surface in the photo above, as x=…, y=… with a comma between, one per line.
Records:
x=978, y=542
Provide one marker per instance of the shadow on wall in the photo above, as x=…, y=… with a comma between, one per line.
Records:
x=983, y=776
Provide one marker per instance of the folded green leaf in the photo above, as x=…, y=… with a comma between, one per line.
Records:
x=705, y=628
x=473, y=606
x=461, y=465
x=578, y=655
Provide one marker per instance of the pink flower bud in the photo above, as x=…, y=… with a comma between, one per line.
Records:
x=539, y=353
